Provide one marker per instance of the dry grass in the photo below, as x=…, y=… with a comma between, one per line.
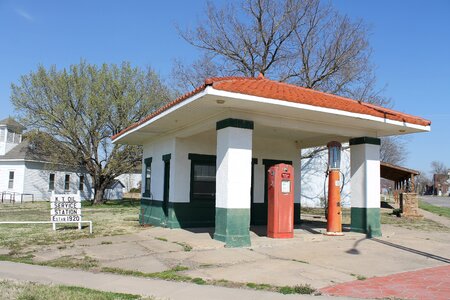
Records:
x=108, y=219
x=411, y=223
x=34, y=291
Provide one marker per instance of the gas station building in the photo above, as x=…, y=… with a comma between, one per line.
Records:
x=206, y=155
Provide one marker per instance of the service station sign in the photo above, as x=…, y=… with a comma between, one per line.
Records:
x=65, y=208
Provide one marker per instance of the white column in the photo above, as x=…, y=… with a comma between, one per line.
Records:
x=365, y=185
x=233, y=182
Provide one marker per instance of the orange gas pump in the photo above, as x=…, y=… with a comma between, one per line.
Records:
x=280, y=221
x=334, y=218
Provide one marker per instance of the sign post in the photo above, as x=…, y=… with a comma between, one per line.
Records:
x=65, y=208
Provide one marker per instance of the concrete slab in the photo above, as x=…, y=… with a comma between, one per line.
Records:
x=358, y=256
x=51, y=254
x=106, y=239
x=275, y=272
x=222, y=257
x=115, y=251
x=146, y=264
x=157, y=246
x=197, y=238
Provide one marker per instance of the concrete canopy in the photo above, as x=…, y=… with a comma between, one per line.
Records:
x=308, y=117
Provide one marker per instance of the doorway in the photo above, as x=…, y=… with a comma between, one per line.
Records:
x=165, y=204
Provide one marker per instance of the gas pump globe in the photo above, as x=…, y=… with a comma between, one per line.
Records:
x=334, y=220
x=334, y=155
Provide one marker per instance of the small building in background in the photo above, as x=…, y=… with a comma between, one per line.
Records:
x=115, y=190
x=26, y=174
x=441, y=184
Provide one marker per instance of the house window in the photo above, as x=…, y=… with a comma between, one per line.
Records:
x=51, y=182
x=81, y=185
x=203, y=177
x=10, y=136
x=148, y=177
x=67, y=182
x=11, y=180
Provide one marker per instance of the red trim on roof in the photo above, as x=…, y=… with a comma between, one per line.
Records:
x=263, y=87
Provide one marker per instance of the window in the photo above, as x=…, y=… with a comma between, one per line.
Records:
x=2, y=134
x=51, y=182
x=16, y=138
x=81, y=185
x=148, y=177
x=203, y=177
x=11, y=180
x=67, y=182
x=10, y=136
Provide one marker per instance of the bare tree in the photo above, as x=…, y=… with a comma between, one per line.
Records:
x=304, y=42
x=438, y=167
x=300, y=41
x=188, y=77
x=393, y=150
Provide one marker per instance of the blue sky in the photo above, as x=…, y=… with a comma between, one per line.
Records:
x=410, y=41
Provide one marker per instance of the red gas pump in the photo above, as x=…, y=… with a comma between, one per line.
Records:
x=334, y=219
x=280, y=223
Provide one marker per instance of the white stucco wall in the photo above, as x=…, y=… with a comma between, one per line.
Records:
x=156, y=150
x=313, y=178
x=19, y=171
x=234, y=167
x=365, y=175
x=205, y=143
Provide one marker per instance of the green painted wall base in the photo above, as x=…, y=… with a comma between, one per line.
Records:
x=366, y=220
x=179, y=215
x=233, y=226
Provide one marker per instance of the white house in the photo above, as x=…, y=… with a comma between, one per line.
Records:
x=207, y=153
x=25, y=175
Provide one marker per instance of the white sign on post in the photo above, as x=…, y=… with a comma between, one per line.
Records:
x=65, y=208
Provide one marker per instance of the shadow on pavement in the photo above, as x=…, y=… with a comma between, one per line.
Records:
x=355, y=251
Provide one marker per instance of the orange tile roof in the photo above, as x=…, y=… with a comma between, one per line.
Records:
x=267, y=88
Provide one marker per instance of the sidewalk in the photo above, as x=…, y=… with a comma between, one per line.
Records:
x=439, y=219
x=134, y=285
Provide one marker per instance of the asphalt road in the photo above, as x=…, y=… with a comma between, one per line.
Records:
x=443, y=201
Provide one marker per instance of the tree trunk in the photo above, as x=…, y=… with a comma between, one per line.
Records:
x=98, y=195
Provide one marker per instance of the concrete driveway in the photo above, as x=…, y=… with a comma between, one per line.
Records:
x=443, y=201
x=309, y=258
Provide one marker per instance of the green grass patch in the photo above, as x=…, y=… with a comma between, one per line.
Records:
x=25, y=259
x=198, y=280
x=34, y=291
x=359, y=277
x=161, y=239
x=441, y=211
x=186, y=246
x=298, y=289
x=300, y=261
x=69, y=262
x=171, y=274
x=259, y=286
